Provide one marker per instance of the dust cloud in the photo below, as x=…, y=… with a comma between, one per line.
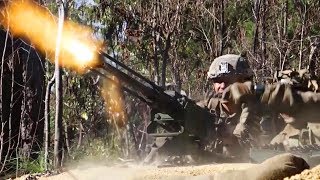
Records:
x=87, y=171
x=101, y=171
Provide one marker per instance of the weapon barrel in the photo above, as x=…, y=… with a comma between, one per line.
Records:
x=137, y=85
x=173, y=112
x=121, y=65
x=94, y=71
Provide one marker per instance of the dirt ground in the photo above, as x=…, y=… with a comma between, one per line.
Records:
x=313, y=174
x=100, y=172
x=138, y=172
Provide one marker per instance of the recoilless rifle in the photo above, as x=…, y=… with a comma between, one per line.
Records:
x=179, y=126
x=183, y=127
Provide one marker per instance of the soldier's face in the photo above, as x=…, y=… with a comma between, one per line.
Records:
x=219, y=87
x=220, y=84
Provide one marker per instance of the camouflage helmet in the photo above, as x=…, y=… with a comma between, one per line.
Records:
x=229, y=65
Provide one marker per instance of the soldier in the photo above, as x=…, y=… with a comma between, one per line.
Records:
x=301, y=80
x=298, y=107
x=241, y=119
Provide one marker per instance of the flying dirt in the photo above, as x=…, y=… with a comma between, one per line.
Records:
x=232, y=171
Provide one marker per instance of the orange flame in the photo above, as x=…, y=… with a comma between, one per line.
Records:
x=114, y=102
x=78, y=49
x=29, y=20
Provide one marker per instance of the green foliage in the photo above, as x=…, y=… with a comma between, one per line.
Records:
x=32, y=166
x=249, y=27
x=315, y=29
x=96, y=150
x=26, y=166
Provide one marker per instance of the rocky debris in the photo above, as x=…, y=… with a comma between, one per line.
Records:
x=35, y=176
x=311, y=174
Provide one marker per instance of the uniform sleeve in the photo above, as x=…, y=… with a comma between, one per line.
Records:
x=202, y=103
x=310, y=97
x=279, y=96
x=284, y=98
x=210, y=104
x=242, y=96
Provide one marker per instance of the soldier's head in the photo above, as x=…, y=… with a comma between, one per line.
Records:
x=228, y=69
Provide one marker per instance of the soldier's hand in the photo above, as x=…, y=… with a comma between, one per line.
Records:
x=241, y=131
x=238, y=93
x=303, y=106
x=276, y=95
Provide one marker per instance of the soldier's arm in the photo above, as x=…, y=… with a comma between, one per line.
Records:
x=241, y=96
x=310, y=97
x=282, y=98
x=285, y=98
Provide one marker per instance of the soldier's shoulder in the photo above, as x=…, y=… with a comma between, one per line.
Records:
x=210, y=103
x=202, y=103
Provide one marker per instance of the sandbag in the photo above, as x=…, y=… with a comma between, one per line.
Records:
x=277, y=167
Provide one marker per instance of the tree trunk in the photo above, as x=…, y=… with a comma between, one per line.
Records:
x=155, y=38
x=58, y=148
x=3, y=146
x=303, y=19
x=10, y=97
x=165, y=59
x=222, y=29
x=256, y=31
x=175, y=70
x=32, y=108
x=263, y=37
x=312, y=60
x=47, y=123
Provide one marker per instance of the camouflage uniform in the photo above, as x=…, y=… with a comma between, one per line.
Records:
x=299, y=108
x=302, y=81
x=242, y=122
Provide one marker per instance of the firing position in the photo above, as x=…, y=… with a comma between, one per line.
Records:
x=241, y=118
x=244, y=109
x=298, y=108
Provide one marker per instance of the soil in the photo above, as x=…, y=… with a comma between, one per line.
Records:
x=130, y=172
x=137, y=172
x=313, y=174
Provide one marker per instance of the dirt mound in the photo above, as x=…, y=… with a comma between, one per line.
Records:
x=141, y=172
x=313, y=173
x=171, y=172
x=133, y=172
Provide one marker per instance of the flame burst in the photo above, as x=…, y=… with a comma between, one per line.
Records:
x=114, y=102
x=78, y=49
x=30, y=21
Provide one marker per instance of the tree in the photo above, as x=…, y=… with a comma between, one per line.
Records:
x=22, y=83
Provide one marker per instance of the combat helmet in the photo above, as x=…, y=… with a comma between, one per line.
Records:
x=229, y=65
